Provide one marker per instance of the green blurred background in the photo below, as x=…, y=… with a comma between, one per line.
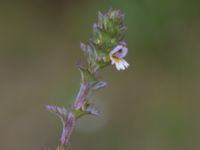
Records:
x=154, y=105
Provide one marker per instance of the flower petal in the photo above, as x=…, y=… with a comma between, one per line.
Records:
x=116, y=49
x=117, y=66
x=123, y=52
x=119, y=51
x=120, y=66
x=125, y=63
x=112, y=61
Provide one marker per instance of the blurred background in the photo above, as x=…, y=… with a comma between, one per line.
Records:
x=154, y=105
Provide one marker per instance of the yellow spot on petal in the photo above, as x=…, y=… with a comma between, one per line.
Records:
x=117, y=60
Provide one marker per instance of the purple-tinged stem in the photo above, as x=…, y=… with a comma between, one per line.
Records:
x=81, y=97
x=67, y=131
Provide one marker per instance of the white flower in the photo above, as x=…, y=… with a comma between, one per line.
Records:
x=117, y=55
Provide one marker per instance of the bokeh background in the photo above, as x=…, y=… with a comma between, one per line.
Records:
x=154, y=105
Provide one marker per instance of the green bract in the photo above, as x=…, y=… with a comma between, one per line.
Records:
x=107, y=33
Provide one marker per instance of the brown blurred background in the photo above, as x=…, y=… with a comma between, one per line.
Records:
x=154, y=105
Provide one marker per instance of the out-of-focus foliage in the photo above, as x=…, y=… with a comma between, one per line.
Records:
x=154, y=105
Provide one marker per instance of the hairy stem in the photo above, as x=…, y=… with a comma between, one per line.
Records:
x=81, y=97
x=67, y=130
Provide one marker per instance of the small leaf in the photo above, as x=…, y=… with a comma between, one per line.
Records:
x=82, y=71
x=98, y=85
x=95, y=28
x=93, y=111
x=100, y=19
x=83, y=47
x=89, y=50
x=61, y=112
x=85, y=74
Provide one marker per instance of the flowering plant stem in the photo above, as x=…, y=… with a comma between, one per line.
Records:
x=105, y=47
